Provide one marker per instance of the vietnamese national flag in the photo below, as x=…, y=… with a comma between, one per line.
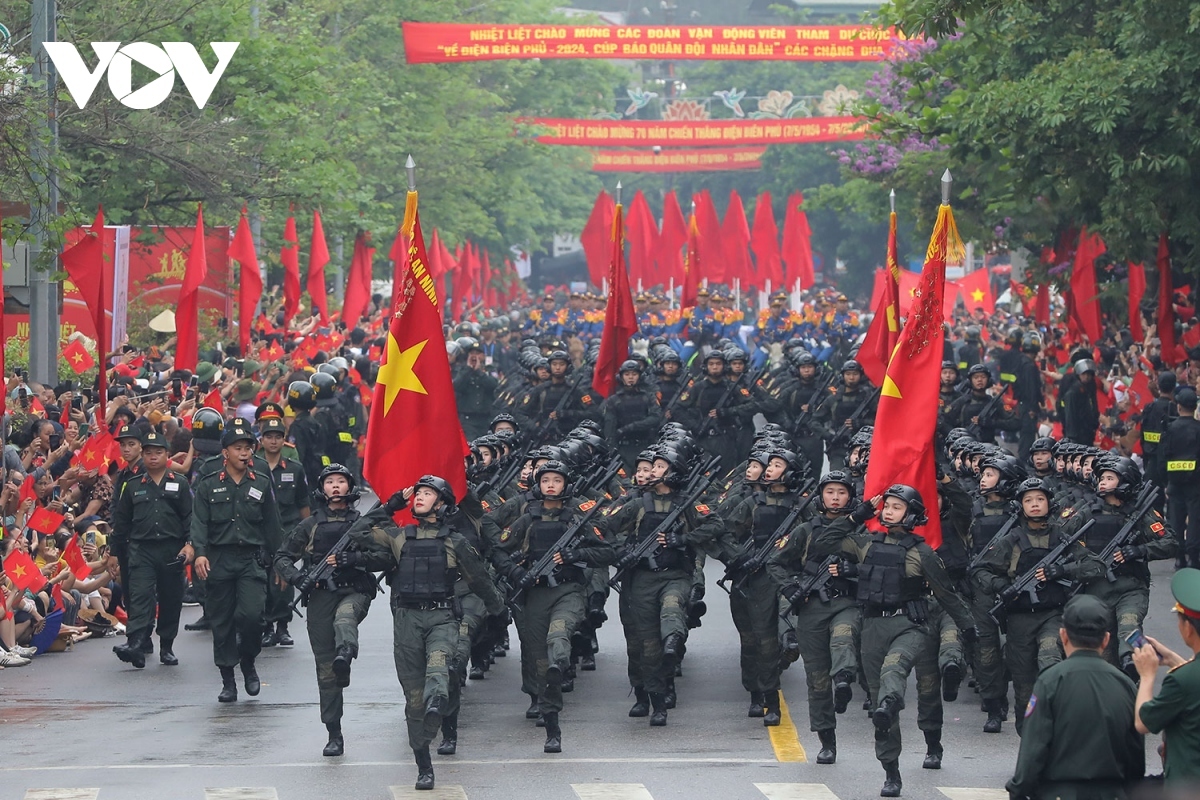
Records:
x=691, y=269
x=84, y=263
x=398, y=255
x=884, y=333
x=797, y=243
x=214, y=400
x=23, y=573
x=94, y=453
x=976, y=291
x=43, y=520
x=1137, y=290
x=318, y=257
x=906, y=422
x=671, y=240
x=1165, y=324
x=358, y=284
x=78, y=357
x=596, y=237
x=414, y=428
x=620, y=318
x=1086, y=303
x=250, y=287
x=187, y=313
x=764, y=241
x=289, y=257
x=73, y=555
x=27, y=491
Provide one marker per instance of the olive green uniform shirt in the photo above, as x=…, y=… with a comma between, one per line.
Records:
x=1175, y=710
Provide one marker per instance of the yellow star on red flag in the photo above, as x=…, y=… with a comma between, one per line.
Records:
x=397, y=373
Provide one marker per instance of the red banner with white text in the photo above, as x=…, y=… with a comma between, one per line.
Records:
x=710, y=159
x=436, y=42
x=646, y=133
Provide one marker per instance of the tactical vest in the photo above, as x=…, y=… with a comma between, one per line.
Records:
x=648, y=522
x=882, y=581
x=424, y=572
x=544, y=534
x=1106, y=526
x=327, y=532
x=630, y=407
x=767, y=517
x=1053, y=594
x=837, y=587
x=988, y=522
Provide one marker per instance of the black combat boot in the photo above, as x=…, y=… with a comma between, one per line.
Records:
x=568, y=681
x=596, y=616
x=553, y=733
x=449, y=745
x=268, y=637
x=933, y=750
x=148, y=644
x=341, y=665
x=952, y=676
x=828, y=752
x=424, y=768
x=1129, y=669
x=282, y=636
x=673, y=647
x=228, y=686
x=885, y=715
x=771, y=711
x=532, y=711
x=756, y=705
x=250, y=678
x=843, y=691
x=790, y=653
x=201, y=624
x=435, y=709
x=669, y=696
x=166, y=653
x=641, y=703
x=659, y=716
x=891, y=782
x=131, y=653
x=336, y=744
x=995, y=716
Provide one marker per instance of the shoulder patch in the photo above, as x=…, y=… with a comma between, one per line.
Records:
x=621, y=472
x=1158, y=528
x=596, y=531
x=504, y=536
x=486, y=506
x=683, y=397
x=745, y=392
x=1068, y=510
x=702, y=508
x=586, y=399
x=525, y=401
x=588, y=506
x=782, y=543
x=1032, y=705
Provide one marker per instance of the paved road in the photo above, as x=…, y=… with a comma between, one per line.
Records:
x=83, y=719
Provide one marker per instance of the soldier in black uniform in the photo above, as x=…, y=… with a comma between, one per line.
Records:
x=715, y=428
x=971, y=352
x=1156, y=416
x=631, y=414
x=207, y=428
x=340, y=445
x=947, y=395
x=1081, y=410
x=291, y=495
x=129, y=439
x=544, y=402
x=155, y=512
x=1028, y=391
x=1181, y=452
x=965, y=411
x=338, y=604
x=668, y=369
x=800, y=400
x=836, y=415
x=306, y=432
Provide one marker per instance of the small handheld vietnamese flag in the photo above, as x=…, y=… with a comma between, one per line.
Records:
x=73, y=555
x=23, y=573
x=213, y=400
x=27, y=492
x=78, y=357
x=43, y=520
x=95, y=452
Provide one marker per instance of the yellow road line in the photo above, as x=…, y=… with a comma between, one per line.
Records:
x=784, y=737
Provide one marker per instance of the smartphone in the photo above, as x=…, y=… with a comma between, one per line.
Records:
x=1136, y=638
x=89, y=538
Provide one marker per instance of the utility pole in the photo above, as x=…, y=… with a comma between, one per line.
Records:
x=43, y=294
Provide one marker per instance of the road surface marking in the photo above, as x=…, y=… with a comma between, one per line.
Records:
x=242, y=793
x=611, y=791
x=61, y=794
x=796, y=791
x=784, y=737
x=437, y=793
x=974, y=794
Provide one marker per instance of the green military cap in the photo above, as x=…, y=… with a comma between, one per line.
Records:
x=154, y=439
x=205, y=371
x=1185, y=587
x=271, y=425
x=1085, y=615
x=128, y=432
x=237, y=433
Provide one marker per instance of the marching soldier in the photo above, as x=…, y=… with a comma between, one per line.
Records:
x=1181, y=452
x=307, y=433
x=800, y=399
x=710, y=409
x=966, y=410
x=291, y=496
x=631, y=414
x=836, y=415
x=544, y=402
x=474, y=391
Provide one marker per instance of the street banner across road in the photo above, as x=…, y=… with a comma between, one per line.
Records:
x=436, y=42
x=645, y=133
x=711, y=159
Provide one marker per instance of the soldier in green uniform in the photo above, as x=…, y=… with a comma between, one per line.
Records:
x=427, y=559
x=208, y=426
x=834, y=417
x=129, y=439
x=235, y=526
x=155, y=512
x=339, y=603
x=552, y=607
x=291, y=497
x=1079, y=741
x=1175, y=711
x=897, y=571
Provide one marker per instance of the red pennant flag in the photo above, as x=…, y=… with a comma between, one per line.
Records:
x=620, y=318
x=906, y=421
x=27, y=491
x=1137, y=290
x=318, y=257
x=1165, y=325
x=84, y=263
x=414, y=428
x=976, y=290
x=250, y=287
x=764, y=241
x=187, y=313
x=43, y=520
x=797, y=243
x=78, y=357
x=643, y=242
x=214, y=400
x=358, y=284
x=691, y=269
x=23, y=573
x=1086, y=303
x=73, y=555
x=289, y=257
x=884, y=333
x=735, y=233
x=671, y=240
x=712, y=265
x=597, y=237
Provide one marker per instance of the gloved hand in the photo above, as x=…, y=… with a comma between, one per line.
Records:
x=1054, y=572
x=628, y=559
x=1009, y=593
x=792, y=593
x=528, y=579
x=753, y=564
x=970, y=635
x=517, y=577
x=348, y=558
x=847, y=569
x=673, y=540
x=1133, y=552
x=395, y=503
x=863, y=513
x=304, y=583
x=570, y=556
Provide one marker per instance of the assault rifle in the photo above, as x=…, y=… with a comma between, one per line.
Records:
x=598, y=480
x=987, y=412
x=843, y=431
x=816, y=401
x=734, y=385
x=817, y=583
x=322, y=570
x=684, y=386
x=1145, y=501
x=978, y=558
x=1028, y=583
x=550, y=424
x=545, y=567
x=754, y=563
x=648, y=547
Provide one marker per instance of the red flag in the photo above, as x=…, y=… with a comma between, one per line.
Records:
x=797, y=243
x=214, y=400
x=43, y=520
x=414, y=428
x=671, y=241
x=877, y=286
x=78, y=357
x=764, y=241
x=1137, y=290
x=691, y=269
x=976, y=291
x=250, y=288
x=289, y=257
x=643, y=241
x=95, y=452
x=735, y=234
x=596, y=238
x=1084, y=292
x=620, y=319
x=884, y=333
x=73, y=555
x=905, y=424
x=187, y=313
x=712, y=265
x=1041, y=306
x=909, y=281
x=84, y=263
x=1165, y=324
x=27, y=492
x=318, y=257
x=23, y=573
x=398, y=255
x=358, y=283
